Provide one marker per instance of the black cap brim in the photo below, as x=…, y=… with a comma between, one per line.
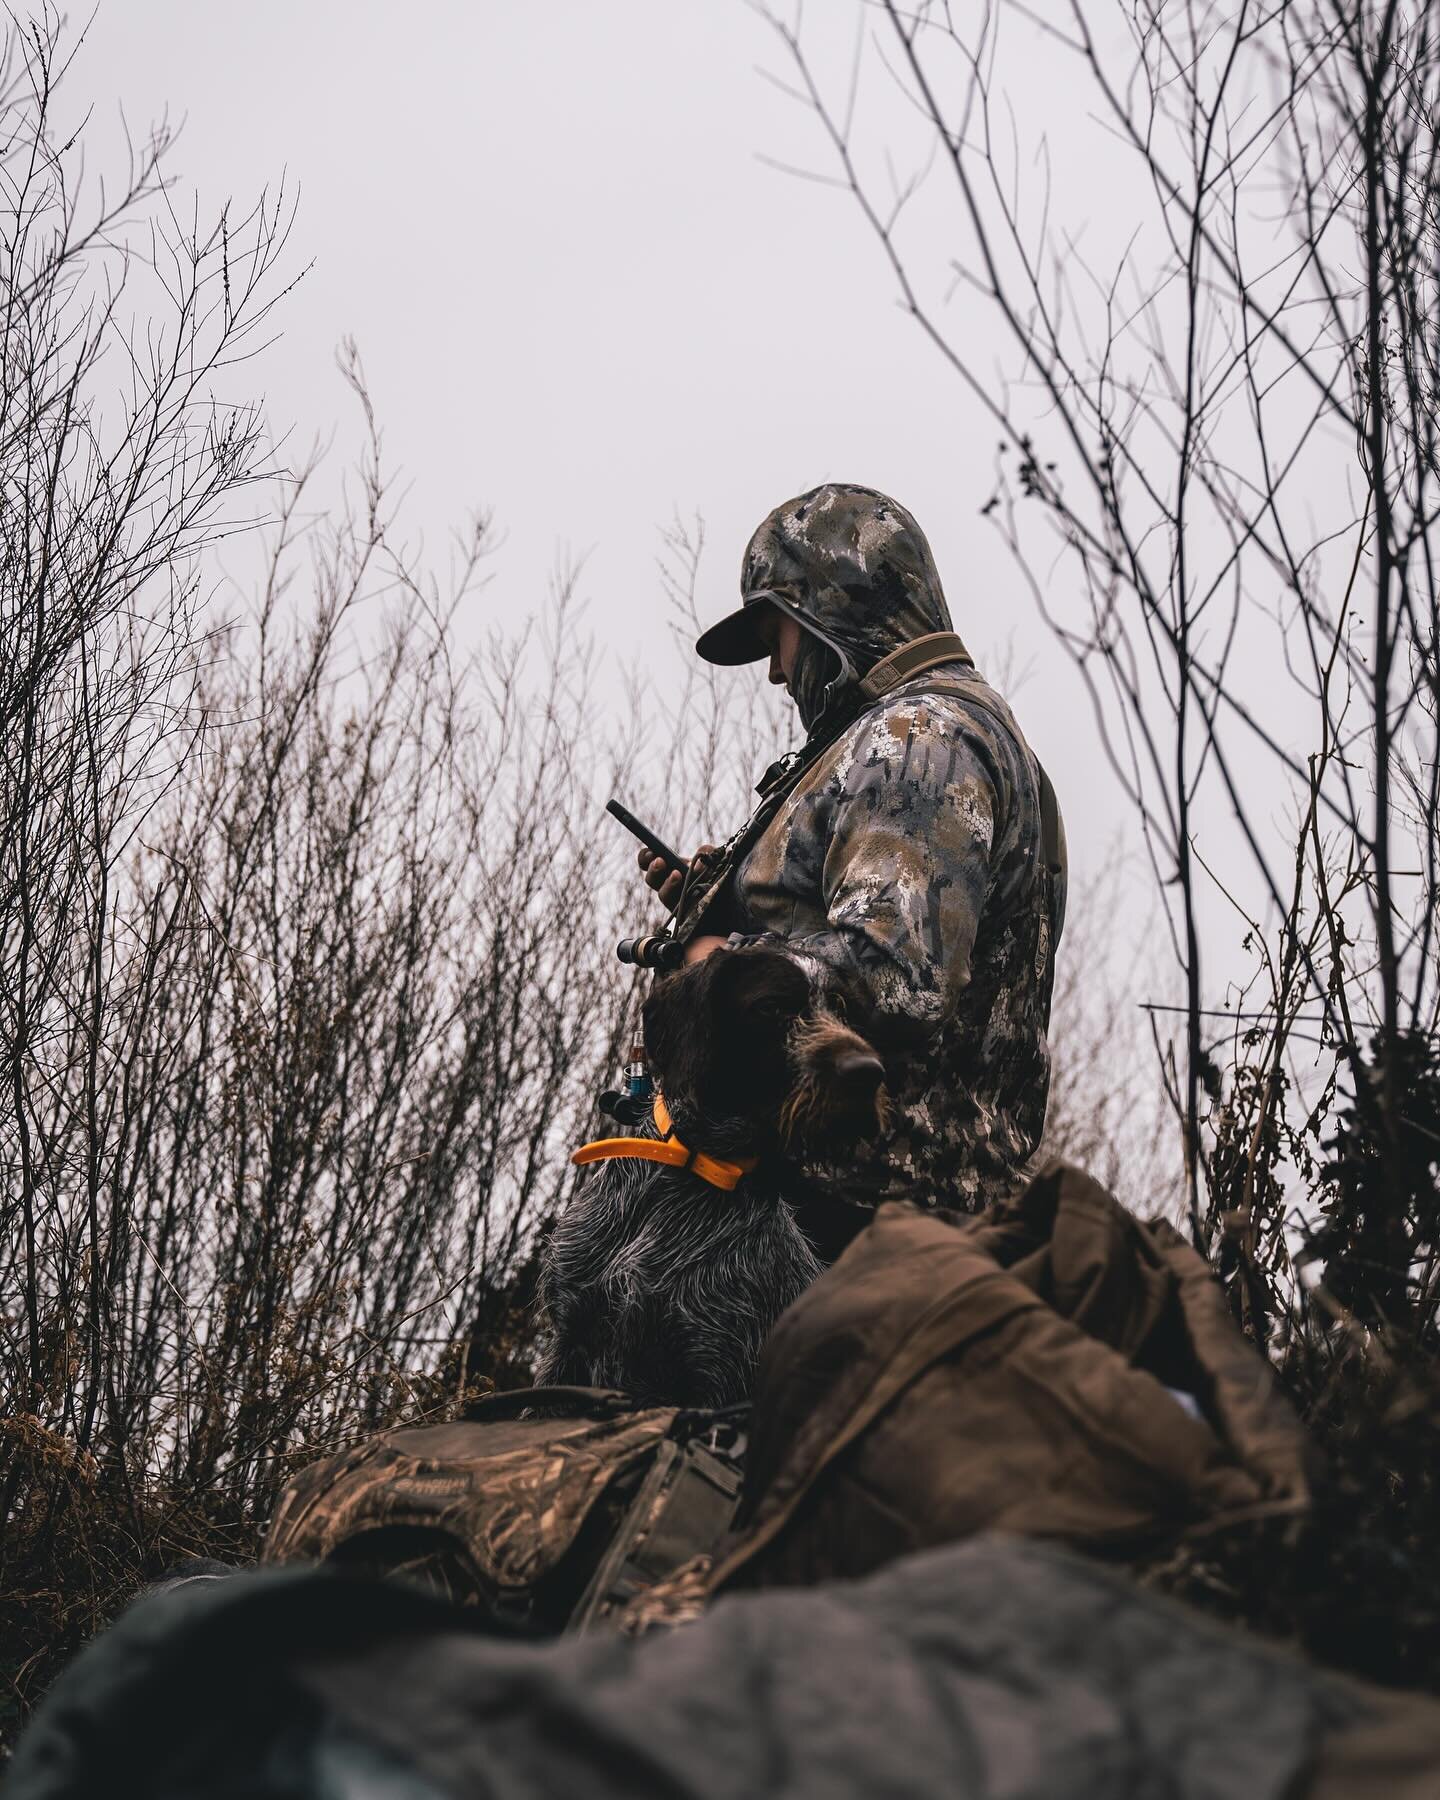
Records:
x=735, y=640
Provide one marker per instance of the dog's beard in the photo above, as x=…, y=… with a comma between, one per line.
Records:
x=819, y=1111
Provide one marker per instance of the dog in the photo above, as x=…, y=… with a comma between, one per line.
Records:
x=660, y=1284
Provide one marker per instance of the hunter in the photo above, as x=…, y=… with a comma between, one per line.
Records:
x=912, y=842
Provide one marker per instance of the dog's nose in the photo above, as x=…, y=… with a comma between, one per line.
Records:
x=860, y=1069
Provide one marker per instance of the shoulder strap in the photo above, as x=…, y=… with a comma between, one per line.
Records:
x=914, y=658
x=1052, y=831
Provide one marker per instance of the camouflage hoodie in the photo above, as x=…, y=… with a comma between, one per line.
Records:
x=907, y=854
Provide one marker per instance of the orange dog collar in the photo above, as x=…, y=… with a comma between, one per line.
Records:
x=669, y=1150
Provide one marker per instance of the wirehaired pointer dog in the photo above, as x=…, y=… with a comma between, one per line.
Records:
x=655, y=1280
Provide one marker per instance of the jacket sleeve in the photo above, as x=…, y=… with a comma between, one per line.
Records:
x=903, y=842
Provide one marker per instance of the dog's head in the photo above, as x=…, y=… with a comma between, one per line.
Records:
x=752, y=1054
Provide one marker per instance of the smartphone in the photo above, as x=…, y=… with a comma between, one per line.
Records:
x=656, y=846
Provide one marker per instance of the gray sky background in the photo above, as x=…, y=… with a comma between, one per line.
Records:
x=585, y=302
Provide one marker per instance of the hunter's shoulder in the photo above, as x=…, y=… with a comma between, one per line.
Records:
x=954, y=707
x=960, y=695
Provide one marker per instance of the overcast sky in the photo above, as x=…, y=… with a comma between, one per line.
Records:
x=583, y=299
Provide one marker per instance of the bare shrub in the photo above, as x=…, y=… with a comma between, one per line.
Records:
x=1108, y=1109
x=309, y=976
x=350, y=1024
x=300, y=997
x=120, y=460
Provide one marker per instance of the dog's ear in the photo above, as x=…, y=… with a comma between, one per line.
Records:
x=673, y=1047
x=758, y=987
x=754, y=998
x=731, y=996
x=682, y=1028
x=716, y=1035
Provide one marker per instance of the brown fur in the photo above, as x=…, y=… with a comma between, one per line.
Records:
x=821, y=1106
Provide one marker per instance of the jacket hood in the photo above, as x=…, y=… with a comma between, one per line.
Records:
x=847, y=562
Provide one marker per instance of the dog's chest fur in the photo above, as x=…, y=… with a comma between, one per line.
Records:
x=658, y=1283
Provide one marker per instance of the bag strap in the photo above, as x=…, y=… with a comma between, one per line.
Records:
x=1052, y=831
x=914, y=658
x=684, y=1508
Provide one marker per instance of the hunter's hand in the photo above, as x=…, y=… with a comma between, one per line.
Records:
x=665, y=881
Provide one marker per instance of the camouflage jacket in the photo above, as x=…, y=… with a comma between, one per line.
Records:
x=908, y=854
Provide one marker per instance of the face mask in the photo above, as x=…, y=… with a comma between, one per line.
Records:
x=816, y=666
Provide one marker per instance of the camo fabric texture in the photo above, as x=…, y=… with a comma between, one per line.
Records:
x=909, y=855
x=855, y=564
x=509, y=1496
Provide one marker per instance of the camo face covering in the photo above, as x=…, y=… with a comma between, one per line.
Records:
x=816, y=666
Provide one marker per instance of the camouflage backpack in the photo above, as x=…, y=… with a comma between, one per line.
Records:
x=552, y=1507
